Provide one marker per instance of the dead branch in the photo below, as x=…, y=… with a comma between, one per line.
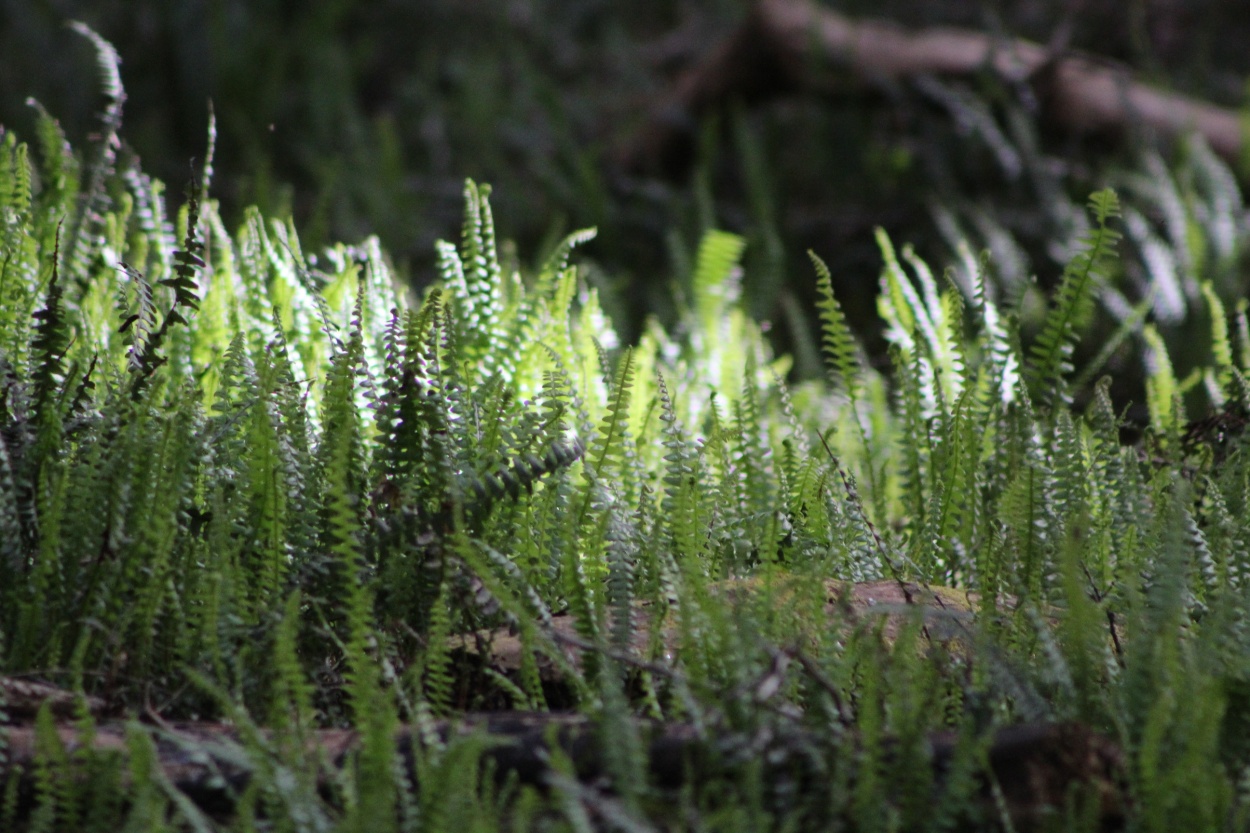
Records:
x=786, y=45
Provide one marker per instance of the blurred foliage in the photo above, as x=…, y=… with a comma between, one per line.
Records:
x=363, y=118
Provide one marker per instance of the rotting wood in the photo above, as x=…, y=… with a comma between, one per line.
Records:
x=21, y=699
x=789, y=45
x=947, y=613
x=1036, y=769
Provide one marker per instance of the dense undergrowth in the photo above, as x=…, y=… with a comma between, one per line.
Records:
x=239, y=481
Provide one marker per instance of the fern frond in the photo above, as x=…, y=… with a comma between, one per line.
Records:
x=609, y=449
x=525, y=472
x=476, y=283
x=1221, y=345
x=1050, y=358
x=1003, y=362
x=557, y=261
x=51, y=341
x=914, y=441
x=13, y=541
x=15, y=190
x=1024, y=507
x=94, y=199
x=140, y=321
x=58, y=170
x=684, y=517
x=140, y=306
x=187, y=261
x=436, y=662
x=1069, y=498
x=1162, y=391
x=837, y=341
x=752, y=464
x=714, y=283
x=292, y=703
x=622, y=536
x=210, y=151
x=146, y=206
x=897, y=302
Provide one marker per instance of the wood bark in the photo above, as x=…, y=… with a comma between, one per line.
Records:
x=796, y=45
x=1033, y=768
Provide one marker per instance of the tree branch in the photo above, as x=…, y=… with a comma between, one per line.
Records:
x=786, y=45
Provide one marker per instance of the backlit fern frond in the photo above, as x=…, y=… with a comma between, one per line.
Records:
x=1221, y=344
x=1229, y=539
x=606, y=496
x=714, y=283
x=1000, y=358
x=1050, y=357
x=398, y=433
x=914, y=440
x=837, y=340
x=148, y=213
x=940, y=322
x=557, y=261
x=58, y=168
x=721, y=487
x=1069, y=499
x=347, y=588
x=342, y=423
x=15, y=190
x=1163, y=394
x=279, y=468
x=609, y=449
x=475, y=281
x=94, y=199
x=584, y=568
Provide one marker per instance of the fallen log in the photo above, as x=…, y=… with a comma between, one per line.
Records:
x=796, y=45
x=21, y=699
x=1033, y=770
x=946, y=612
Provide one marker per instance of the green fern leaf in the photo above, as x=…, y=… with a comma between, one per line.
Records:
x=714, y=282
x=1162, y=391
x=292, y=702
x=1221, y=344
x=52, y=338
x=557, y=262
x=94, y=199
x=684, y=519
x=15, y=193
x=837, y=340
x=609, y=449
x=58, y=170
x=1050, y=358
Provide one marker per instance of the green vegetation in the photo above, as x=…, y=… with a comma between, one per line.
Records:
x=358, y=118
x=242, y=481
